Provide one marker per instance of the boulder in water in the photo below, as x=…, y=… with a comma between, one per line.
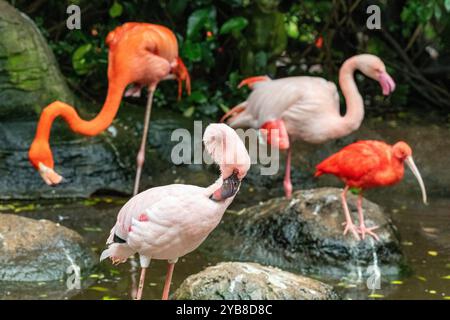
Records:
x=251, y=281
x=305, y=234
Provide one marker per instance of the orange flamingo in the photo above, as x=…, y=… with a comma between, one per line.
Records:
x=141, y=54
x=367, y=164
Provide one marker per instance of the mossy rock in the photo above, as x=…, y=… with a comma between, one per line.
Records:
x=305, y=234
x=29, y=76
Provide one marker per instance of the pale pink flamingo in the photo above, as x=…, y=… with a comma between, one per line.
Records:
x=307, y=108
x=168, y=222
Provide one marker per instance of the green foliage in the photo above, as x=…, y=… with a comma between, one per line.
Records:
x=424, y=13
x=79, y=61
x=116, y=10
x=223, y=41
x=235, y=24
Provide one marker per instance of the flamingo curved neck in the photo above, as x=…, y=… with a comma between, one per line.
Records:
x=209, y=191
x=354, y=102
x=85, y=127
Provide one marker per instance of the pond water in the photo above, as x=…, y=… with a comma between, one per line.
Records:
x=425, y=238
x=424, y=230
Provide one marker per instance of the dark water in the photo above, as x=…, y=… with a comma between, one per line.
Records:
x=424, y=230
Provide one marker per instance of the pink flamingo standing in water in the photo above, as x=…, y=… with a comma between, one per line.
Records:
x=306, y=108
x=168, y=222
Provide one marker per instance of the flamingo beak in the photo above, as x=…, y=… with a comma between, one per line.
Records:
x=230, y=187
x=182, y=75
x=410, y=162
x=387, y=83
x=49, y=175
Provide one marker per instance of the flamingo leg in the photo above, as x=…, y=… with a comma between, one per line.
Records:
x=141, y=284
x=252, y=80
x=287, y=176
x=133, y=275
x=233, y=112
x=169, y=274
x=141, y=154
x=349, y=226
x=362, y=226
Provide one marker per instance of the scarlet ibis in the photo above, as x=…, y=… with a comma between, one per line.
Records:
x=368, y=164
x=168, y=222
x=142, y=54
x=307, y=108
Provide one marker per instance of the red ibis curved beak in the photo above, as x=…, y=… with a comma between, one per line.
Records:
x=410, y=162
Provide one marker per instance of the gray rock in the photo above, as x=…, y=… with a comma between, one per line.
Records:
x=30, y=80
x=40, y=250
x=104, y=163
x=29, y=76
x=305, y=234
x=251, y=281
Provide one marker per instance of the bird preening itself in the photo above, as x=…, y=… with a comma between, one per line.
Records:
x=306, y=108
x=170, y=221
x=368, y=164
x=141, y=54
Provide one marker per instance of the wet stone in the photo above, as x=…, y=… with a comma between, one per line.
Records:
x=251, y=281
x=305, y=234
x=33, y=251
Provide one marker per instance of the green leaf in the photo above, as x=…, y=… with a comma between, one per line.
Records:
x=224, y=108
x=233, y=25
x=79, y=62
x=189, y=112
x=437, y=11
x=261, y=60
x=176, y=7
x=192, y=51
x=447, y=5
x=198, y=97
x=116, y=10
x=201, y=18
x=292, y=30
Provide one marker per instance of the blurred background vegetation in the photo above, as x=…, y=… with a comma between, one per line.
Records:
x=223, y=41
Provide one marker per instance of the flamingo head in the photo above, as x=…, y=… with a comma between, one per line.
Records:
x=374, y=68
x=41, y=158
x=227, y=150
x=181, y=73
x=402, y=151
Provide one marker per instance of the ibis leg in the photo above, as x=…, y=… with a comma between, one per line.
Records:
x=349, y=226
x=362, y=226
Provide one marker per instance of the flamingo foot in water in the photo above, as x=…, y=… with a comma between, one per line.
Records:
x=49, y=175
